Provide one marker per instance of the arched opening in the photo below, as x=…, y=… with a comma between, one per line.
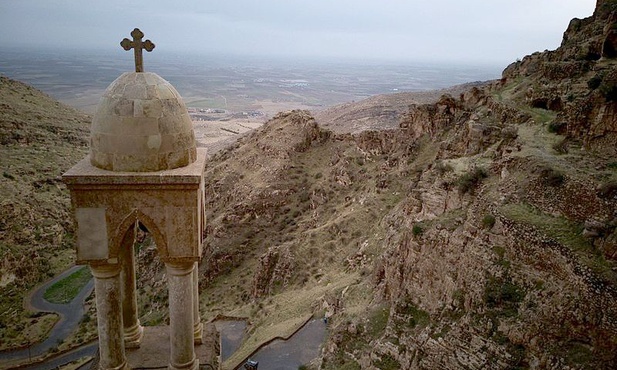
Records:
x=152, y=292
x=145, y=293
x=144, y=280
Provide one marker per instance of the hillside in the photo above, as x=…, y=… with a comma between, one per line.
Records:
x=39, y=140
x=471, y=230
x=480, y=232
x=380, y=112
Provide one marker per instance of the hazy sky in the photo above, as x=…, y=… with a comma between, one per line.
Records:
x=493, y=31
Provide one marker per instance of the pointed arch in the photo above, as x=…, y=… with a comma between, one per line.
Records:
x=129, y=221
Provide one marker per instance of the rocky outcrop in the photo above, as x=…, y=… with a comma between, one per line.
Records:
x=479, y=233
x=273, y=272
x=577, y=80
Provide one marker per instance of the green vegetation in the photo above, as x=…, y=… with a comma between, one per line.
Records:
x=502, y=261
x=605, y=83
x=578, y=353
x=558, y=228
x=551, y=177
x=417, y=229
x=351, y=365
x=413, y=315
x=377, y=322
x=63, y=291
x=608, y=89
x=542, y=116
x=470, y=180
x=503, y=295
x=488, y=221
x=595, y=81
x=565, y=232
x=556, y=127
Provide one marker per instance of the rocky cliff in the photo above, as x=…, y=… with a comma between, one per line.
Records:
x=479, y=233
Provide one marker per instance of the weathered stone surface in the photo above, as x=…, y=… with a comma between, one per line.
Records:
x=109, y=319
x=165, y=201
x=180, y=280
x=141, y=125
x=143, y=169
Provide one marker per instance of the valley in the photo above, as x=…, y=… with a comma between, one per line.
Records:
x=468, y=228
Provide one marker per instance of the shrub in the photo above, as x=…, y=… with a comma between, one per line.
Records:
x=488, y=221
x=561, y=146
x=468, y=182
x=503, y=294
x=551, y=177
x=442, y=167
x=595, y=81
x=417, y=230
x=413, y=315
x=608, y=89
x=608, y=190
x=556, y=127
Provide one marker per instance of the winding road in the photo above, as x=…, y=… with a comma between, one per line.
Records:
x=300, y=349
x=70, y=315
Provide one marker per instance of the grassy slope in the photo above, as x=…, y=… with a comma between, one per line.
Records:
x=39, y=140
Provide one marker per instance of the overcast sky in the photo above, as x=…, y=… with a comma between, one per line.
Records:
x=476, y=31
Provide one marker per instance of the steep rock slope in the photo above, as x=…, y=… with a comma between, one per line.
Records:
x=380, y=112
x=39, y=140
x=577, y=81
x=480, y=233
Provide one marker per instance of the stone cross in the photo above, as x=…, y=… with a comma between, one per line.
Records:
x=137, y=45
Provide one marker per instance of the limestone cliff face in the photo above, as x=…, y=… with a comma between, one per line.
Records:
x=479, y=234
x=488, y=260
x=502, y=252
x=483, y=246
x=578, y=80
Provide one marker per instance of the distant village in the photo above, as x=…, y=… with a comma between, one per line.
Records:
x=214, y=114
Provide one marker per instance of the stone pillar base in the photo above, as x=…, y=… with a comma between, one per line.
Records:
x=133, y=336
x=156, y=345
x=198, y=333
x=124, y=366
x=193, y=365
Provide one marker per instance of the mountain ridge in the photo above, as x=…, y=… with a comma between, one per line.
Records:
x=478, y=232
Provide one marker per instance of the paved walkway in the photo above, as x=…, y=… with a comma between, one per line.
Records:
x=300, y=349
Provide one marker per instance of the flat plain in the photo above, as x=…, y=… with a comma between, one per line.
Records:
x=231, y=83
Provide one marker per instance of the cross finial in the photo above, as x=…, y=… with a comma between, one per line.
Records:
x=137, y=45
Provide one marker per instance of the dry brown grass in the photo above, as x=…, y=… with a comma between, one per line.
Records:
x=39, y=140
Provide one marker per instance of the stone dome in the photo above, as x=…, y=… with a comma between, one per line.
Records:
x=141, y=125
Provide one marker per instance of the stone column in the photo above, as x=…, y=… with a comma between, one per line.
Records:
x=180, y=281
x=133, y=331
x=109, y=316
x=198, y=327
